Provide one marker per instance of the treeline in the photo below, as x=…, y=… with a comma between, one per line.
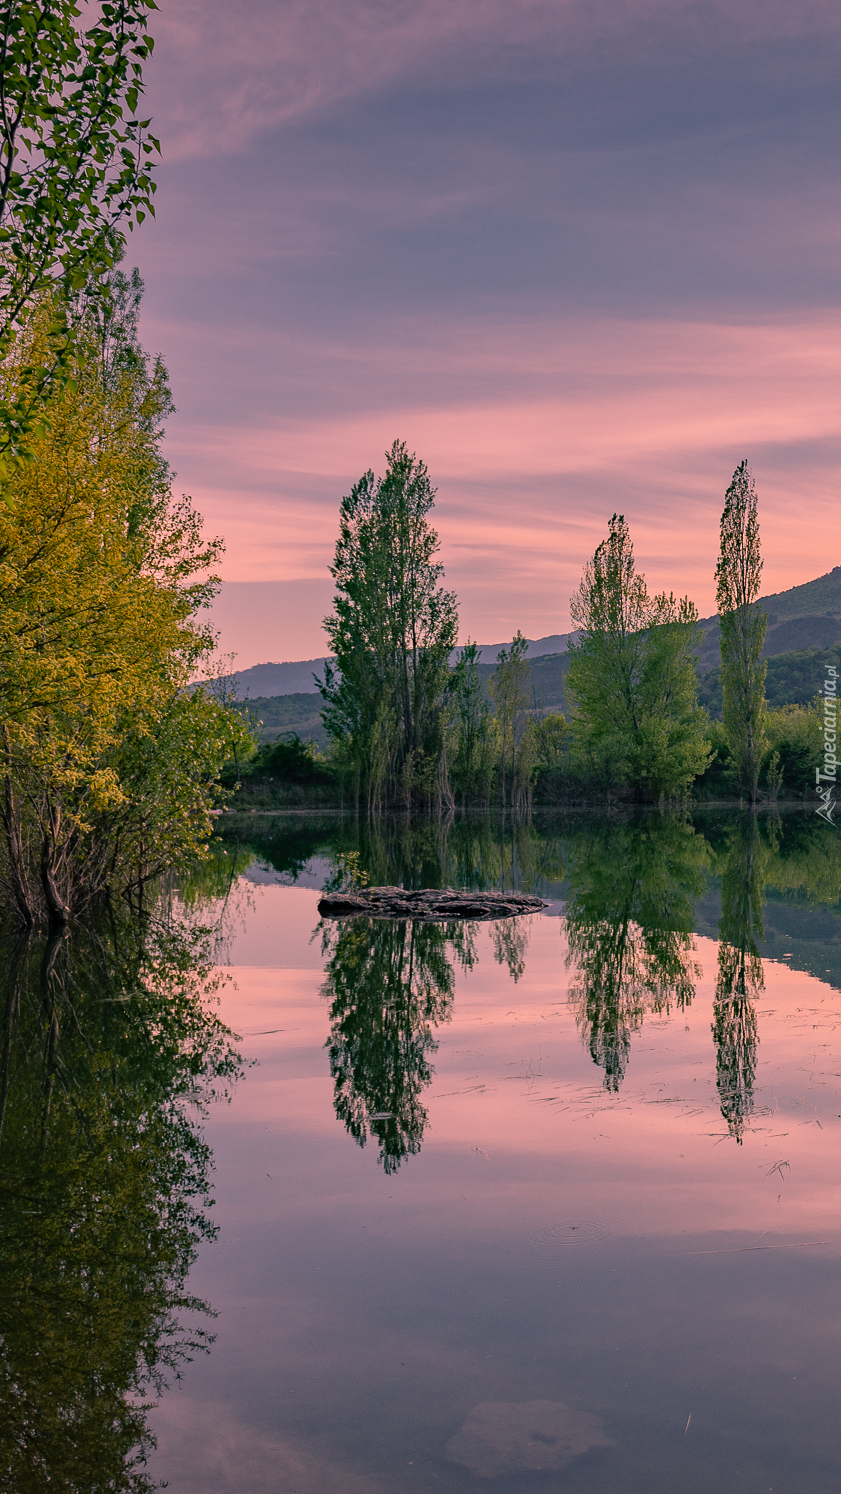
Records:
x=407, y=729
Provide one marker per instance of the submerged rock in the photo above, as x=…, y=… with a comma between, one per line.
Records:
x=510, y=1437
x=432, y=905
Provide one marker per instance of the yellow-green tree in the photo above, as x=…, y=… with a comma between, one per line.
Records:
x=108, y=760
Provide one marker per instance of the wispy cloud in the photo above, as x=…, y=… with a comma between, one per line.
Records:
x=645, y=417
x=226, y=73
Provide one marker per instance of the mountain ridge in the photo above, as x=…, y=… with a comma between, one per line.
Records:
x=802, y=620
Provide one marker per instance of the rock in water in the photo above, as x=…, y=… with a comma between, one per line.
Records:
x=432, y=905
x=512, y=1437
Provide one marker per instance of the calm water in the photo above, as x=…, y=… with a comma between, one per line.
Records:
x=544, y=1205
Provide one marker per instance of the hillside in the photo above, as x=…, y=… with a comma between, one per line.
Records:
x=265, y=681
x=805, y=617
x=804, y=634
x=276, y=715
x=792, y=679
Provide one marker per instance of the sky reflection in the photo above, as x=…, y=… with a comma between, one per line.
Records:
x=365, y=1315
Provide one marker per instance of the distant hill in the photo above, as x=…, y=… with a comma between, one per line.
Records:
x=265, y=680
x=792, y=679
x=276, y=715
x=804, y=625
x=807, y=616
x=299, y=712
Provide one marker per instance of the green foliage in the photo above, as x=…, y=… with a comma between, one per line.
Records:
x=472, y=735
x=743, y=625
x=389, y=985
x=793, y=748
x=740, y=979
x=292, y=760
x=349, y=876
x=111, y=1054
x=74, y=162
x=794, y=736
x=510, y=688
x=109, y=763
x=632, y=679
x=391, y=631
x=629, y=928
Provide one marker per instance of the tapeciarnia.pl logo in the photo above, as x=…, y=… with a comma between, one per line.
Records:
x=825, y=776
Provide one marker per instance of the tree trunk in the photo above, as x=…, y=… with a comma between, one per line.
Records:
x=58, y=912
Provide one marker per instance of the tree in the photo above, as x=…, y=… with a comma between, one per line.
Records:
x=510, y=689
x=392, y=630
x=473, y=730
x=74, y=161
x=108, y=761
x=632, y=677
x=743, y=626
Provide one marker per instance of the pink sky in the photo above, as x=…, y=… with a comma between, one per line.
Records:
x=563, y=255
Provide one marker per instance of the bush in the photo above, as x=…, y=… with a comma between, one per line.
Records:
x=292, y=761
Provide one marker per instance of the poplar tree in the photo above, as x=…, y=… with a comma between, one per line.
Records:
x=510, y=691
x=632, y=677
x=743, y=624
x=472, y=728
x=392, y=630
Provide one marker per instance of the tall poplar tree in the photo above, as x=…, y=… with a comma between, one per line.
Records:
x=473, y=731
x=392, y=630
x=743, y=624
x=510, y=692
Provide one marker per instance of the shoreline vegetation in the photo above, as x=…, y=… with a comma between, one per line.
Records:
x=409, y=731
x=110, y=763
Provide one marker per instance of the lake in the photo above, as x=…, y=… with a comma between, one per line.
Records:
x=545, y=1204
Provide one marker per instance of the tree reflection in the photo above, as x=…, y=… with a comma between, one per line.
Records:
x=109, y=1054
x=510, y=942
x=389, y=984
x=740, y=976
x=629, y=928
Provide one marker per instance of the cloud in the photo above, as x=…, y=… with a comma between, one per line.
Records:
x=571, y=421
x=203, y=1448
x=223, y=74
